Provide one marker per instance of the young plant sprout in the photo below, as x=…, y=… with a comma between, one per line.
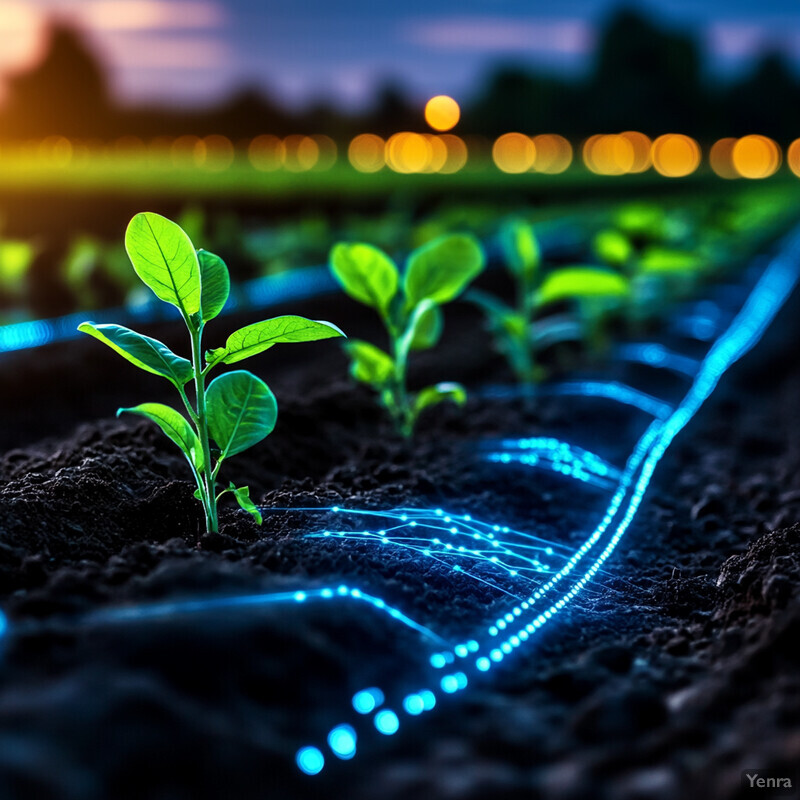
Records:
x=409, y=307
x=518, y=330
x=512, y=326
x=236, y=410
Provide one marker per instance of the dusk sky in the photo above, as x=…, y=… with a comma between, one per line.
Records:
x=194, y=51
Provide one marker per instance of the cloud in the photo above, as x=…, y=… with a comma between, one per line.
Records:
x=502, y=34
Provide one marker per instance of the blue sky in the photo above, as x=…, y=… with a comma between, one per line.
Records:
x=194, y=51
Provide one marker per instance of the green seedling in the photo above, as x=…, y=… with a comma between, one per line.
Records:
x=409, y=307
x=512, y=326
x=234, y=411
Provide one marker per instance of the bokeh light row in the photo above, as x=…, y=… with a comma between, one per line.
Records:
x=672, y=155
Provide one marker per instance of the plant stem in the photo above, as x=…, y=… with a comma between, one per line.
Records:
x=208, y=478
x=525, y=304
x=404, y=414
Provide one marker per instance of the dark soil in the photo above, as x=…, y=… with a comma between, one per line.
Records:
x=677, y=670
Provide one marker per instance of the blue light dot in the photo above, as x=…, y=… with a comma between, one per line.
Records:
x=414, y=704
x=461, y=680
x=449, y=684
x=300, y=596
x=342, y=740
x=461, y=650
x=472, y=646
x=310, y=760
x=386, y=722
x=335, y=508
x=437, y=661
x=428, y=699
x=367, y=700
x=483, y=664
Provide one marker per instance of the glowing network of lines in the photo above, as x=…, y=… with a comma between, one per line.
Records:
x=540, y=578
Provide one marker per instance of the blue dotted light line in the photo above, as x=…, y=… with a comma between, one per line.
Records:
x=552, y=454
x=747, y=328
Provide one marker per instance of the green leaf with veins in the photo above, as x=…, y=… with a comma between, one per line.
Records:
x=175, y=426
x=241, y=411
x=242, y=495
x=165, y=259
x=142, y=351
x=215, y=283
x=260, y=336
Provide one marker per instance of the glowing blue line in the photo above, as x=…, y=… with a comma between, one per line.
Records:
x=656, y=355
x=184, y=607
x=296, y=284
x=610, y=390
x=760, y=308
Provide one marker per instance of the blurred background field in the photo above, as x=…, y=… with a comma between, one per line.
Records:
x=273, y=131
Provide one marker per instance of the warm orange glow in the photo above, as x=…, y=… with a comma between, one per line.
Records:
x=218, y=153
x=57, y=150
x=676, y=155
x=187, y=151
x=442, y=112
x=608, y=154
x=642, y=146
x=266, y=153
x=457, y=154
x=756, y=157
x=720, y=157
x=408, y=152
x=302, y=153
x=328, y=151
x=514, y=152
x=793, y=157
x=367, y=153
x=553, y=153
x=438, y=153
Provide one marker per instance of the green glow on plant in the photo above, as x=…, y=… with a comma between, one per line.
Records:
x=236, y=410
x=409, y=307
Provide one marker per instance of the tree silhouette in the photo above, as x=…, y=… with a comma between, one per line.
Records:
x=66, y=93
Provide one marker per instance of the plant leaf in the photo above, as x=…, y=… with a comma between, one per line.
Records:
x=142, y=351
x=433, y=395
x=215, y=282
x=260, y=336
x=613, y=247
x=442, y=269
x=366, y=273
x=369, y=364
x=242, y=495
x=520, y=248
x=241, y=411
x=427, y=328
x=582, y=283
x=175, y=426
x=165, y=259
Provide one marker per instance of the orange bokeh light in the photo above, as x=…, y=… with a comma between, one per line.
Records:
x=514, y=152
x=720, y=157
x=756, y=157
x=676, y=155
x=553, y=153
x=793, y=157
x=442, y=113
x=367, y=153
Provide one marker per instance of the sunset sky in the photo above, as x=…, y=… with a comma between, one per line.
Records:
x=194, y=51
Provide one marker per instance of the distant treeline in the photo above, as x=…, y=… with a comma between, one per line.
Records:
x=643, y=77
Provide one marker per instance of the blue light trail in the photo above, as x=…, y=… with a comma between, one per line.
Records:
x=542, y=578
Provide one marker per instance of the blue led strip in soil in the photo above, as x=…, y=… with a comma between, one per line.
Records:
x=541, y=578
x=515, y=627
